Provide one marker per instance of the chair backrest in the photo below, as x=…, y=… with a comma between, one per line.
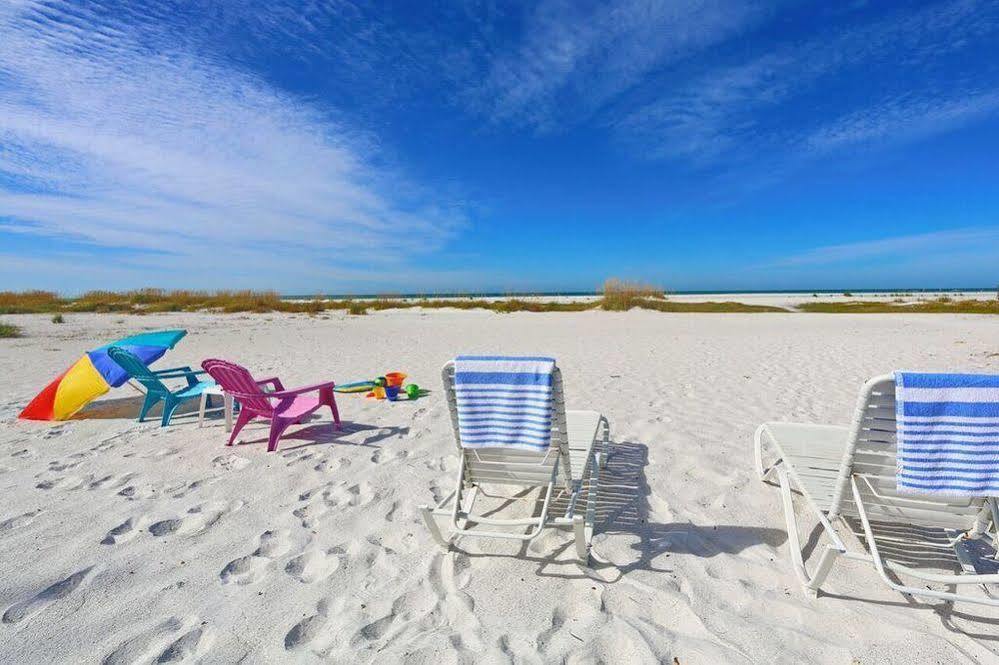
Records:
x=870, y=456
x=137, y=369
x=511, y=466
x=237, y=381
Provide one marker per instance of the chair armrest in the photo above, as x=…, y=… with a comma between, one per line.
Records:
x=274, y=381
x=185, y=368
x=177, y=373
x=306, y=389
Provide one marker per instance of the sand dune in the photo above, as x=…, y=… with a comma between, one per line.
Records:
x=127, y=543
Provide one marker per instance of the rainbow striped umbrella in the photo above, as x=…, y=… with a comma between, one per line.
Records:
x=94, y=374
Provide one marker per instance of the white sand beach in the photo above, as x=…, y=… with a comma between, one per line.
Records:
x=124, y=542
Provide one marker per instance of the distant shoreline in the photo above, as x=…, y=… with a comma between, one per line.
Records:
x=588, y=294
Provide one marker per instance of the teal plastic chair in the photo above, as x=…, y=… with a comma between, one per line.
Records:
x=155, y=388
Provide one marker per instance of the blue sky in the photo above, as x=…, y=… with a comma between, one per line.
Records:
x=360, y=147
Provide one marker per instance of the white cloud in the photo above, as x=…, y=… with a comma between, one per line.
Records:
x=116, y=141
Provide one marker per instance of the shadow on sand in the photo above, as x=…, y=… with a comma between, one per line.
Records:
x=623, y=509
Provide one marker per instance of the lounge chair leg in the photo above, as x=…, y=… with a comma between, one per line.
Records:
x=435, y=531
x=809, y=583
x=764, y=473
x=829, y=557
x=582, y=546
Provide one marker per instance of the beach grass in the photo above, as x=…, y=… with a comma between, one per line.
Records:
x=943, y=305
x=706, y=307
x=617, y=295
x=29, y=302
x=620, y=296
x=8, y=331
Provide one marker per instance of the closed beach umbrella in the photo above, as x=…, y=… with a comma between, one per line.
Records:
x=94, y=374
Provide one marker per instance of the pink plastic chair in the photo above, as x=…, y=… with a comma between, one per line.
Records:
x=282, y=407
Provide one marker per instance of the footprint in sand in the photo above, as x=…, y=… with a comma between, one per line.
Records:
x=314, y=564
x=190, y=646
x=341, y=495
x=124, y=532
x=172, y=640
x=309, y=628
x=23, y=453
x=180, y=490
x=198, y=519
x=297, y=456
x=62, y=482
x=328, y=465
x=388, y=455
x=344, y=494
x=133, y=492
x=53, y=432
x=111, y=482
x=41, y=600
x=229, y=462
x=59, y=465
x=248, y=569
x=310, y=514
x=18, y=521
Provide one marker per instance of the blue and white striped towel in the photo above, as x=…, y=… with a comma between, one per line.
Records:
x=504, y=401
x=948, y=433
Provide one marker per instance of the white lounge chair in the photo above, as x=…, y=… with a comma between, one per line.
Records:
x=846, y=475
x=577, y=454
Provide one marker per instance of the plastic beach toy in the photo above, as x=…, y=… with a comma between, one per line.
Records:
x=412, y=391
x=358, y=387
x=394, y=379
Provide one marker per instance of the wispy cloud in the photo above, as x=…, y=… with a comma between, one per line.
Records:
x=572, y=58
x=905, y=118
x=910, y=247
x=774, y=107
x=115, y=135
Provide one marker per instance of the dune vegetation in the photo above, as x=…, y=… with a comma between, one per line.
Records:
x=8, y=331
x=943, y=305
x=616, y=295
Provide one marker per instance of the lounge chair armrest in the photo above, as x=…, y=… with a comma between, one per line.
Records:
x=306, y=389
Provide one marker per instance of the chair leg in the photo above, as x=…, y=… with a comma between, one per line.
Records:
x=244, y=417
x=201, y=410
x=435, y=530
x=278, y=426
x=809, y=583
x=227, y=400
x=147, y=404
x=337, y=425
x=582, y=545
x=169, y=406
x=326, y=396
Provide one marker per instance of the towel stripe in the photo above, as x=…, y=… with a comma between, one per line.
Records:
x=504, y=401
x=947, y=433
